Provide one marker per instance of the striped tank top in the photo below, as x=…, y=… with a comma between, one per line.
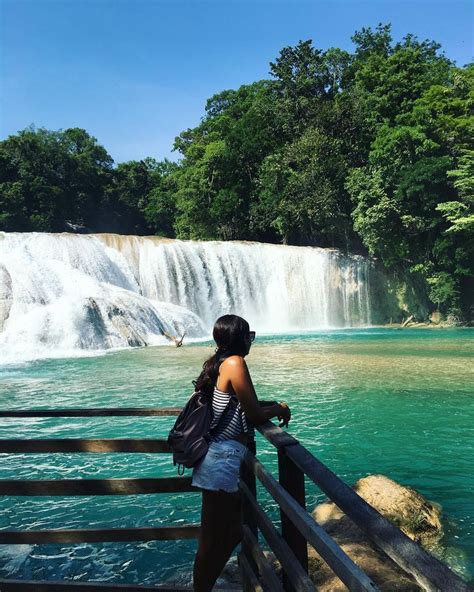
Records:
x=235, y=421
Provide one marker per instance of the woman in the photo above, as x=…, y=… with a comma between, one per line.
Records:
x=225, y=374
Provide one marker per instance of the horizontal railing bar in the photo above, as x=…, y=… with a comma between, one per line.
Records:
x=92, y=412
x=342, y=565
x=275, y=435
x=63, y=586
x=68, y=487
x=299, y=579
x=83, y=445
x=270, y=581
x=248, y=575
x=98, y=535
x=429, y=572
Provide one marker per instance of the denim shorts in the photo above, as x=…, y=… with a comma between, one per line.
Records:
x=220, y=467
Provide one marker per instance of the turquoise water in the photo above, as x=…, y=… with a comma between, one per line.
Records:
x=396, y=402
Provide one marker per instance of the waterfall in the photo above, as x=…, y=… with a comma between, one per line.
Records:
x=63, y=294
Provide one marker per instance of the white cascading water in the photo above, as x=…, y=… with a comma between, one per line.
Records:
x=63, y=294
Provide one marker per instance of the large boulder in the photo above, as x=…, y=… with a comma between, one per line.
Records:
x=403, y=506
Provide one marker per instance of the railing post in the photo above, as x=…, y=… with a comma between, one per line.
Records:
x=292, y=479
x=248, y=517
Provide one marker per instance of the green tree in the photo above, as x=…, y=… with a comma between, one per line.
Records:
x=126, y=199
x=222, y=156
x=300, y=192
x=410, y=176
x=460, y=214
x=49, y=179
x=389, y=78
x=160, y=209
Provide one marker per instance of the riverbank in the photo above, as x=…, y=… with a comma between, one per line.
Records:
x=424, y=325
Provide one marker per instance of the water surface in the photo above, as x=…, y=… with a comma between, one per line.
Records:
x=364, y=401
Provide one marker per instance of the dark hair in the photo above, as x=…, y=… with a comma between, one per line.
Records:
x=230, y=333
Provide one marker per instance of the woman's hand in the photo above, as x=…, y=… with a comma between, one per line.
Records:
x=285, y=415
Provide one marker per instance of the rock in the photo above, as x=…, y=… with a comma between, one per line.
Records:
x=406, y=508
x=123, y=325
x=436, y=317
x=453, y=320
x=409, y=510
x=230, y=578
x=76, y=228
x=6, y=296
x=384, y=573
x=387, y=576
x=95, y=334
x=116, y=317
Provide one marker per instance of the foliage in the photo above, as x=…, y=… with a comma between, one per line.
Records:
x=48, y=178
x=298, y=194
x=443, y=288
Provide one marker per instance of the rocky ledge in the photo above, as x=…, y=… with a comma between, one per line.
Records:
x=403, y=506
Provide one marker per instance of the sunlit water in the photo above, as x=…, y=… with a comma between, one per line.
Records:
x=396, y=402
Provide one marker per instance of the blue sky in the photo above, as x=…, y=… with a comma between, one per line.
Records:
x=135, y=73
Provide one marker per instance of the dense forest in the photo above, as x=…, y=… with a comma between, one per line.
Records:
x=369, y=151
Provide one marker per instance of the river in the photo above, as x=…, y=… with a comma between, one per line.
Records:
x=364, y=401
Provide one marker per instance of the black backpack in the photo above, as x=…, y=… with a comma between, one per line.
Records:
x=190, y=436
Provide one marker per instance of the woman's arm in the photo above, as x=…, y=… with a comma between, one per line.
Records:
x=238, y=374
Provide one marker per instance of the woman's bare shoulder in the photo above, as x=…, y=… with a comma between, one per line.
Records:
x=233, y=363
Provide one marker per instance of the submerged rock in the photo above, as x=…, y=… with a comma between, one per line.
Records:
x=403, y=506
